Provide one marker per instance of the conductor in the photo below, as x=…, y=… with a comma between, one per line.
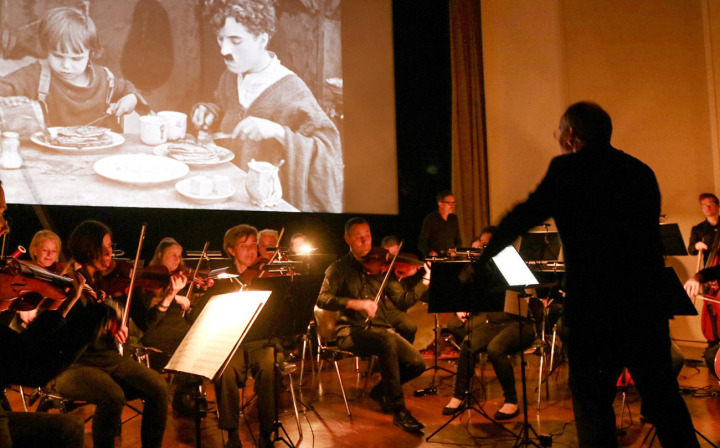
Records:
x=604, y=201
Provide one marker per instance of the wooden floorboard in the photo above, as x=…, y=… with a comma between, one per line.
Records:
x=326, y=424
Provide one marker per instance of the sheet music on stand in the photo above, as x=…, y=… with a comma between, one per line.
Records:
x=217, y=333
x=513, y=268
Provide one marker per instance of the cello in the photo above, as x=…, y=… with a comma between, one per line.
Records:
x=710, y=313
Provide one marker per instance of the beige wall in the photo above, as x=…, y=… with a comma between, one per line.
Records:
x=653, y=64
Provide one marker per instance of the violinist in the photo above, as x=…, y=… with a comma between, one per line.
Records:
x=267, y=238
x=406, y=280
x=101, y=375
x=44, y=250
x=168, y=322
x=704, y=234
x=166, y=326
x=350, y=289
x=32, y=358
x=256, y=357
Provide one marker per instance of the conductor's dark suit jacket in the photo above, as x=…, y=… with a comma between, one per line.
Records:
x=606, y=205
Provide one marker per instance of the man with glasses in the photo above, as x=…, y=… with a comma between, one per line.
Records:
x=702, y=235
x=256, y=357
x=440, y=229
x=605, y=204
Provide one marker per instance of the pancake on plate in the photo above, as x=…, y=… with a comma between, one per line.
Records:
x=80, y=137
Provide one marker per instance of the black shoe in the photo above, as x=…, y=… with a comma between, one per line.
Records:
x=405, y=421
x=503, y=416
x=378, y=395
x=447, y=410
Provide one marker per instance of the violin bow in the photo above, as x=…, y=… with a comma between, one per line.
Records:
x=368, y=321
x=275, y=254
x=197, y=269
x=126, y=310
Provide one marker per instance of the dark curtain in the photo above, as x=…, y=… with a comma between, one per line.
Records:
x=469, y=154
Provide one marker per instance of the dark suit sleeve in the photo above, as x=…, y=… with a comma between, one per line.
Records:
x=694, y=238
x=534, y=210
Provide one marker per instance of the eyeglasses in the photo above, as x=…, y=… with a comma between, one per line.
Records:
x=449, y=202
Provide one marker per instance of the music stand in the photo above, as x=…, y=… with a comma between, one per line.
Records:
x=212, y=341
x=672, y=240
x=287, y=313
x=479, y=283
x=314, y=263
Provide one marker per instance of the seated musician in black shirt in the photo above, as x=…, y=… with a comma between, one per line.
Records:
x=256, y=357
x=348, y=288
x=703, y=234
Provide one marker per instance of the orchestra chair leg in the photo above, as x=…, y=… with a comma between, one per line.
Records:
x=307, y=337
x=342, y=388
x=540, y=377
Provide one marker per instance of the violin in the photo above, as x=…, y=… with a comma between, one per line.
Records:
x=379, y=259
x=199, y=278
x=261, y=268
x=22, y=291
x=116, y=280
x=407, y=265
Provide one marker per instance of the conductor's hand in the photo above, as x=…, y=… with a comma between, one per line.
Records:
x=692, y=287
x=367, y=305
x=700, y=246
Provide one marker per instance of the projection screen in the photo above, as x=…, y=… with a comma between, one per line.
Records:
x=315, y=135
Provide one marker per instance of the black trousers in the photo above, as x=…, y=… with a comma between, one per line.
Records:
x=256, y=358
x=597, y=354
x=399, y=361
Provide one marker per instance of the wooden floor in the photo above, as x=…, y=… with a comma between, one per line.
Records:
x=326, y=423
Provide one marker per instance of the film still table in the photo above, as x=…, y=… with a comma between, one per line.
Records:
x=52, y=177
